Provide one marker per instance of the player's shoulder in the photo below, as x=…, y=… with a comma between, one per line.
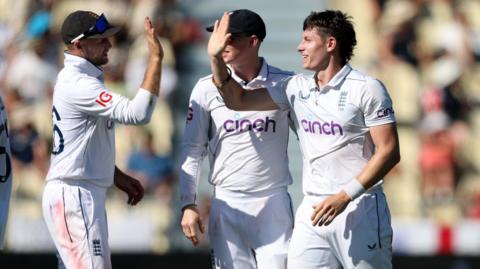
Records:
x=275, y=71
x=74, y=78
x=206, y=80
x=301, y=79
x=364, y=80
x=204, y=87
x=205, y=84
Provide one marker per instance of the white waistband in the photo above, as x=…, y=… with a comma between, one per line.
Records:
x=87, y=184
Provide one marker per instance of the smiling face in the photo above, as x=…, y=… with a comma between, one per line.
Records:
x=315, y=49
x=96, y=50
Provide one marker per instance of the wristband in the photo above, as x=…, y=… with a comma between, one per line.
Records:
x=219, y=86
x=354, y=189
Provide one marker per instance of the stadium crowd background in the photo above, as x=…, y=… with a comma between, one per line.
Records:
x=427, y=53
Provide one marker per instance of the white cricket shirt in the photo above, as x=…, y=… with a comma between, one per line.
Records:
x=247, y=150
x=84, y=112
x=333, y=124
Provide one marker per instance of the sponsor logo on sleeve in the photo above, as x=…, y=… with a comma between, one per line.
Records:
x=384, y=112
x=104, y=98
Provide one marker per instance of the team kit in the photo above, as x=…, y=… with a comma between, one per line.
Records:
x=239, y=119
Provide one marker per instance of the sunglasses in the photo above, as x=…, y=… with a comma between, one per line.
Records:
x=101, y=25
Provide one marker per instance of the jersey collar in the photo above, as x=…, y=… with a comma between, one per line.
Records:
x=83, y=65
x=337, y=79
x=262, y=75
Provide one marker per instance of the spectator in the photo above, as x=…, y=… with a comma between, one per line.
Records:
x=154, y=171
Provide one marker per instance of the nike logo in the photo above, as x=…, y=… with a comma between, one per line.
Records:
x=372, y=247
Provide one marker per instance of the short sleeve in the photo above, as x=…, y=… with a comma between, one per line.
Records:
x=377, y=104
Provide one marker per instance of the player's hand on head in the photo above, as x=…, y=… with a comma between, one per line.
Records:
x=192, y=223
x=326, y=211
x=153, y=42
x=220, y=36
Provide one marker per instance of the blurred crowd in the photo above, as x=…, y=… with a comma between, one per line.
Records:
x=427, y=52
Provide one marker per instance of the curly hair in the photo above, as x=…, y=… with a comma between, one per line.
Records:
x=337, y=24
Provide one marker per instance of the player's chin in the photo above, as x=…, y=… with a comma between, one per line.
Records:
x=227, y=59
x=100, y=61
x=308, y=66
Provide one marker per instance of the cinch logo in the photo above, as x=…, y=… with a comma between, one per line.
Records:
x=325, y=128
x=385, y=112
x=257, y=125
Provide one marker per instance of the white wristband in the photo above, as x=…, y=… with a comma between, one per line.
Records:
x=354, y=189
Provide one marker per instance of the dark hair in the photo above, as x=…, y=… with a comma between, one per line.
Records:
x=337, y=24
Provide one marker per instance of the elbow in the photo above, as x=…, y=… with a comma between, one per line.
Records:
x=144, y=119
x=395, y=156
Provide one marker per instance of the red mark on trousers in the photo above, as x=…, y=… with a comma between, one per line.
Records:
x=70, y=247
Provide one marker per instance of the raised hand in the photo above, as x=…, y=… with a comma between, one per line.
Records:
x=153, y=43
x=219, y=37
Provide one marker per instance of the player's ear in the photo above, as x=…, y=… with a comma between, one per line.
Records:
x=254, y=41
x=331, y=43
x=77, y=44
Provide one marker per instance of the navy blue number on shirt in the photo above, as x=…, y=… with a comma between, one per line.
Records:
x=3, y=150
x=57, y=149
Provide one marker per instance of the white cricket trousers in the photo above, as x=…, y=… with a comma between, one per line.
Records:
x=76, y=219
x=249, y=231
x=360, y=237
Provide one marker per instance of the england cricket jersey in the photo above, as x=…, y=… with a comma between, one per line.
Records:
x=247, y=150
x=5, y=173
x=84, y=112
x=333, y=123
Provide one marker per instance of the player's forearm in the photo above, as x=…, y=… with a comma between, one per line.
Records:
x=118, y=176
x=151, y=80
x=230, y=90
x=384, y=159
x=189, y=176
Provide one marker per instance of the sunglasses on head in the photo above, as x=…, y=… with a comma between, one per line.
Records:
x=101, y=25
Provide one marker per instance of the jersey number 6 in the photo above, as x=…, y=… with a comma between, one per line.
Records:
x=57, y=149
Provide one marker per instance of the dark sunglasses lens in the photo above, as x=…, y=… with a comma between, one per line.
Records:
x=101, y=24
